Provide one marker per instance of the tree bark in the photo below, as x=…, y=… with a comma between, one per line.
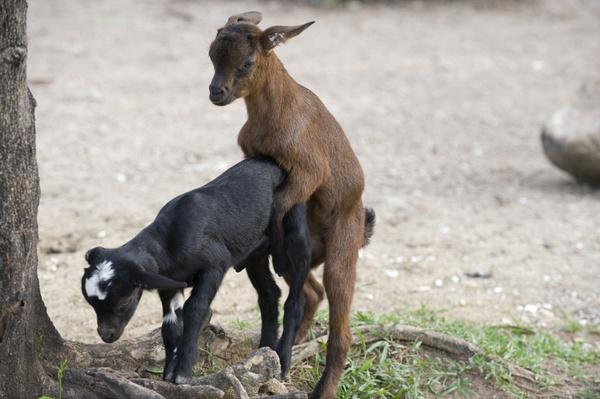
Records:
x=31, y=349
x=27, y=335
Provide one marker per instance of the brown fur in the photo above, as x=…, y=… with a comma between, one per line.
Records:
x=289, y=123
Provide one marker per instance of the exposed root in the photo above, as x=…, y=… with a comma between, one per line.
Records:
x=119, y=371
x=122, y=388
x=244, y=380
x=172, y=391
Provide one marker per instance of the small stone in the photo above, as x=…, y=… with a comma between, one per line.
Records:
x=531, y=308
x=479, y=274
x=391, y=273
x=273, y=387
x=537, y=65
x=439, y=282
x=121, y=178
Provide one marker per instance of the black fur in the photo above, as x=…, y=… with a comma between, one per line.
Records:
x=192, y=242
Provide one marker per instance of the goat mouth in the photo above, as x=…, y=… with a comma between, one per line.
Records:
x=112, y=337
x=109, y=340
x=224, y=100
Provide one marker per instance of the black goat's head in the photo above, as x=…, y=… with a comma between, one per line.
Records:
x=113, y=287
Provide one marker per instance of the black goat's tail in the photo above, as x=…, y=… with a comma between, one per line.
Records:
x=369, y=225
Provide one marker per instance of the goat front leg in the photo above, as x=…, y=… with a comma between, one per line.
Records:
x=301, y=183
x=172, y=327
x=195, y=310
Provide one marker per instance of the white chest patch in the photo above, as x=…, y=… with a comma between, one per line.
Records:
x=104, y=272
x=176, y=303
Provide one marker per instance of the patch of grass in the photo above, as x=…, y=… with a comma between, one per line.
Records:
x=39, y=346
x=212, y=364
x=387, y=369
x=241, y=325
x=156, y=370
x=62, y=367
x=570, y=326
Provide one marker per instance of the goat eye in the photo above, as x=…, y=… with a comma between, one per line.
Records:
x=246, y=67
x=122, y=308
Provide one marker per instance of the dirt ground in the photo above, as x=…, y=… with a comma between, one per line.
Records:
x=442, y=101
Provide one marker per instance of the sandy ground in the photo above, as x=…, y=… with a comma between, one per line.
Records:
x=443, y=103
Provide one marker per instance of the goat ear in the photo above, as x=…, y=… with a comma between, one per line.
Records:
x=155, y=281
x=249, y=16
x=92, y=255
x=276, y=35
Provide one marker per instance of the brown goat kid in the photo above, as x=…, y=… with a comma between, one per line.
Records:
x=289, y=123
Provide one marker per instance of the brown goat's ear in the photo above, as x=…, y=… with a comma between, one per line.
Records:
x=276, y=35
x=250, y=16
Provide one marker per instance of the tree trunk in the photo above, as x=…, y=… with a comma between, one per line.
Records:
x=31, y=349
x=27, y=335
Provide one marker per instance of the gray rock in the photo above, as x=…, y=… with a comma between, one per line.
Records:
x=273, y=387
x=248, y=378
x=571, y=141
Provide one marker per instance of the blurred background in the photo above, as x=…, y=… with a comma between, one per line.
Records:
x=443, y=102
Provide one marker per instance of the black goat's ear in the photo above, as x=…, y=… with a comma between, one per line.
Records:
x=276, y=35
x=92, y=255
x=155, y=281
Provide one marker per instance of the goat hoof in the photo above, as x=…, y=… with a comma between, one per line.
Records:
x=182, y=380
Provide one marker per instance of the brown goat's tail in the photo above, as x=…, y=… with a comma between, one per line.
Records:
x=369, y=225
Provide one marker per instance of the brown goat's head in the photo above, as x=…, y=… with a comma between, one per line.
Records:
x=238, y=54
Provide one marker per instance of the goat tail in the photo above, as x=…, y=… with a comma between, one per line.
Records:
x=369, y=225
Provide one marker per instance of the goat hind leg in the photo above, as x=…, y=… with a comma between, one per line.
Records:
x=293, y=314
x=314, y=293
x=268, y=292
x=343, y=242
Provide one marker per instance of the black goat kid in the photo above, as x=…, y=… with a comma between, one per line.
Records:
x=192, y=242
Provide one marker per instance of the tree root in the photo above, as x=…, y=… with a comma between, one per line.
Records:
x=251, y=378
x=120, y=371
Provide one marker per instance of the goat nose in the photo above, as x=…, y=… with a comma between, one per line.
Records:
x=216, y=90
x=106, y=334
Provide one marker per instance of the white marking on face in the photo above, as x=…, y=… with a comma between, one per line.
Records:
x=176, y=303
x=104, y=272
